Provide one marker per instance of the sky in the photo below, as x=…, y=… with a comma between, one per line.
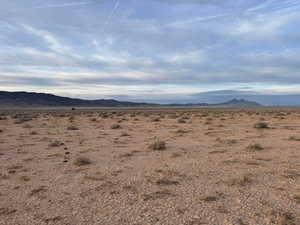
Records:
x=161, y=51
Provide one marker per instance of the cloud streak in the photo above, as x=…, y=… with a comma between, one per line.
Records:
x=110, y=16
x=170, y=48
x=64, y=5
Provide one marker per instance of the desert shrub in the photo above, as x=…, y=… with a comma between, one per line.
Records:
x=173, y=116
x=82, y=161
x=181, y=131
x=181, y=120
x=72, y=128
x=158, y=145
x=115, y=126
x=242, y=181
x=261, y=125
x=22, y=119
x=294, y=138
x=157, y=119
x=255, y=147
x=56, y=143
x=26, y=126
x=124, y=134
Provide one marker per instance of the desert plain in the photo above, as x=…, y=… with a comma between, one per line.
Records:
x=150, y=166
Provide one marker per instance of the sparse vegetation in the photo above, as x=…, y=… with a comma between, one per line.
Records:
x=261, y=125
x=56, y=143
x=233, y=162
x=294, y=138
x=72, y=128
x=82, y=161
x=158, y=145
x=255, y=147
x=115, y=126
x=242, y=181
x=181, y=120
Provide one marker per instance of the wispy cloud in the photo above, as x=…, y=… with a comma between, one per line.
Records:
x=110, y=16
x=71, y=4
x=148, y=43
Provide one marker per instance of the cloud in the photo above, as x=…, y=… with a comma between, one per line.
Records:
x=206, y=45
x=70, y=4
x=192, y=1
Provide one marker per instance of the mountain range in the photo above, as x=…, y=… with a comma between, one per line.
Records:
x=32, y=99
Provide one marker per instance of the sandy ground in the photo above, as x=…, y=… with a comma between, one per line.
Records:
x=78, y=167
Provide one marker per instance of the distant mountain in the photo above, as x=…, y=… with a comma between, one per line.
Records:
x=267, y=99
x=239, y=103
x=31, y=99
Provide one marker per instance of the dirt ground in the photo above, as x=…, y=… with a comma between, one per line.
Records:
x=150, y=167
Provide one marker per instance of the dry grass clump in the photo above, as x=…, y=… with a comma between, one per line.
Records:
x=181, y=131
x=158, y=145
x=255, y=147
x=124, y=134
x=33, y=133
x=181, y=120
x=158, y=195
x=282, y=218
x=82, y=161
x=115, y=126
x=294, y=138
x=22, y=119
x=173, y=116
x=166, y=181
x=261, y=125
x=157, y=119
x=297, y=198
x=56, y=143
x=72, y=128
x=242, y=181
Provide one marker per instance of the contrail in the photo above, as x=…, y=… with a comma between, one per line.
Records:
x=64, y=5
x=111, y=15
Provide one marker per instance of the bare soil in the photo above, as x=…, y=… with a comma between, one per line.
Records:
x=142, y=166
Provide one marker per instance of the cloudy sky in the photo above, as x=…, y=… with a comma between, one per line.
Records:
x=150, y=50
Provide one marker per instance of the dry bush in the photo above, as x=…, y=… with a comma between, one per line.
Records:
x=22, y=120
x=124, y=134
x=72, y=128
x=261, y=125
x=157, y=119
x=297, y=198
x=255, y=147
x=115, y=126
x=181, y=131
x=158, y=195
x=281, y=218
x=165, y=181
x=294, y=138
x=158, y=145
x=181, y=120
x=82, y=161
x=242, y=181
x=56, y=143
x=173, y=116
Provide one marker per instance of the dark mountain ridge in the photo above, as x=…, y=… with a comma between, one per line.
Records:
x=32, y=99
